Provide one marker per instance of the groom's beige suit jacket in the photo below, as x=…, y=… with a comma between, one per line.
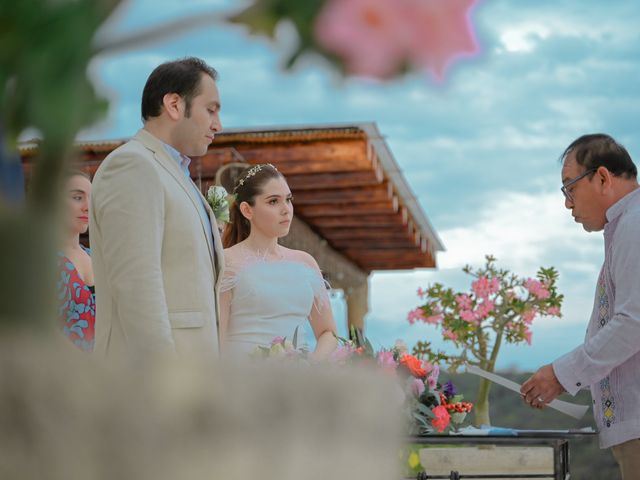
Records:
x=156, y=273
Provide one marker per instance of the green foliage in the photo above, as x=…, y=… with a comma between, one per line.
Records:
x=263, y=16
x=45, y=50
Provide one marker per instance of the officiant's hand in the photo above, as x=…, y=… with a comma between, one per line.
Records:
x=541, y=388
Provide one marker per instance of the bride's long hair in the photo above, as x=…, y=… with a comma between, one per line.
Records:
x=248, y=184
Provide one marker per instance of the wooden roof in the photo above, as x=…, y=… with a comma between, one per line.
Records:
x=345, y=182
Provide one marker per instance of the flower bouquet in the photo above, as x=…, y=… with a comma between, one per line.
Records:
x=218, y=199
x=429, y=406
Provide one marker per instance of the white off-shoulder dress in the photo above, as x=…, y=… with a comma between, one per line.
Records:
x=269, y=298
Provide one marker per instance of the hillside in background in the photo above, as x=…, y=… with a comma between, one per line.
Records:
x=588, y=461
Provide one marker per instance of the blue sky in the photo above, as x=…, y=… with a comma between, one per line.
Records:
x=480, y=151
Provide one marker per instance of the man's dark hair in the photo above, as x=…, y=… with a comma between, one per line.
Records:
x=179, y=76
x=600, y=150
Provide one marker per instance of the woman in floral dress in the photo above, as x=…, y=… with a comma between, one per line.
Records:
x=76, y=296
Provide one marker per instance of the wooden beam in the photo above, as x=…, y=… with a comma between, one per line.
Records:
x=380, y=193
x=364, y=232
x=380, y=243
x=359, y=221
x=338, y=209
x=312, y=181
x=376, y=254
x=397, y=265
x=317, y=157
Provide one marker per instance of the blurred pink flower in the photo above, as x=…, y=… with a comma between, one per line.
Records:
x=415, y=315
x=528, y=334
x=529, y=315
x=421, y=292
x=417, y=387
x=434, y=319
x=427, y=365
x=369, y=35
x=483, y=286
x=432, y=379
x=484, y=309
x=464, y=302
x=449, y=334
x=277, y=340
x=341, y=353
x=377, y=37
x=537, y=289
x=386, y=361
x=555, y=311
x=441, y=418
x=468, y=316
x=442, y=32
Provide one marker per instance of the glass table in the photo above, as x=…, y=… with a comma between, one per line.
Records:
x=558, y=440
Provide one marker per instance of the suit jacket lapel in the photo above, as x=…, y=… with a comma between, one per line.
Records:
x=169, y=164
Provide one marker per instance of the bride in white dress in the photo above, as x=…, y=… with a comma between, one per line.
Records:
x=268, y=290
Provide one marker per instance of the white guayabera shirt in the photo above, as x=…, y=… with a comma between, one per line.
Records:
x=609, y=359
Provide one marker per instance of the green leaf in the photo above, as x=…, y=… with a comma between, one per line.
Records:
x=295, y=337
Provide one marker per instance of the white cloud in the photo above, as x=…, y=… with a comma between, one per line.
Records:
x=522, y=38
x=522, y=230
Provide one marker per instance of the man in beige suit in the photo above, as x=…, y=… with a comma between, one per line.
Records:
x=156, y=257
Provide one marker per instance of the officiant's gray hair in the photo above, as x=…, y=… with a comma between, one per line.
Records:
x=248, y=184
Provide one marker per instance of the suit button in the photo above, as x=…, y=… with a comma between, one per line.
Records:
x=578, y=384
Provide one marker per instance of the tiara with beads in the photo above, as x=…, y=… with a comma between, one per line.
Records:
x=252, y=171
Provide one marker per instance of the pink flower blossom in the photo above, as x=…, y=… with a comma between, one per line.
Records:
x=510, y=295
x=528, y=334
x=529, y=315
x=537, y=289
x=415, y=315
x=554, y=311
x=434, y=319
x=441, y=418
x=432, y=379
x=483, y=286
x=417, y=387
x=341, y=353
x=468, y=316
x=376, y=37
x=386, y=361
x=442, y=31
x=427, y=366
x=369, y=35
x=484, y=309
x=464, y=302
x=446, y=333
x=277, y=340
x=421, y=292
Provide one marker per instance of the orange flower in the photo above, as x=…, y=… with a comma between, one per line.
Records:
x=414, y=366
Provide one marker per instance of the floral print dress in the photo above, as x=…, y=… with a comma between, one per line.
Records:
x=77, y=304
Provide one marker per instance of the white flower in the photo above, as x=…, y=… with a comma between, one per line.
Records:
x=218, y=199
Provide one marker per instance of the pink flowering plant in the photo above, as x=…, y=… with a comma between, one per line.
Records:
x=374, y=38
x=428, y=405
x=500, y=307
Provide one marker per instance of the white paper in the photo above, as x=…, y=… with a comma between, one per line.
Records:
x=571, y=409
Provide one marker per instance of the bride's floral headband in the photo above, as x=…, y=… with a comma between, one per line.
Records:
x=252, y=171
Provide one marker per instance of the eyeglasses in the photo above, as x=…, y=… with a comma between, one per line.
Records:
x=565, y=188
